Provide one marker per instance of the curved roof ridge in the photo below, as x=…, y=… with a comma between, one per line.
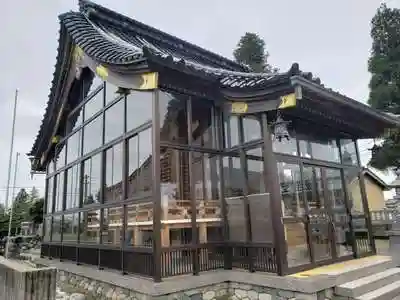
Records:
x=88, y=7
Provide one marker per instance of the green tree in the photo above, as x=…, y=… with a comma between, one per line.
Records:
x=21, y=206
x=36, y=211
x=384, y=66
x=251, y=51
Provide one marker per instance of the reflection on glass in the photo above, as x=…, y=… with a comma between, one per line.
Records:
x=173, y=118
x=112, y=230
x=138, y=109
x=313, y=186
x=203, y=133
x=51, y=167
x=362, y=238
x=73, y=182
x=286, y=146
x=56, y=229
x=114, y=121
x=139, y=230
x=49, y=196
x=336, y=198
x=231, y=127
x=93, y=135
x=349, y=152
x=291, y=191
x=113, y=184
x=89, y=229
x=60, y=152
x=94, y=105
x=318, y=147
x=251, y=129
x=207, y=181
x=75, y=120
x=47, y=229
x=58, y=206
x=139, y=164
x=296, y=239
x=111, y=93
x=233, y=176
x=255, y=173
x=70, y=227
x=96, y=83
x=74, y=146
x=91, y=180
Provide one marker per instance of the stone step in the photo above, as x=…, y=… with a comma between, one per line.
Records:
x=387, y=292
x=368, y=268
x=368, y=284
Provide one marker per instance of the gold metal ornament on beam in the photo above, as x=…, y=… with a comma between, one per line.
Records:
x=102, y=72
x=149, y=81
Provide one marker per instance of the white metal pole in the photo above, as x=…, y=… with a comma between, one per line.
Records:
x=11, y=149
x=12, y=206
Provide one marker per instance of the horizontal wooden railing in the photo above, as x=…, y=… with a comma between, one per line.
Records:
x=381, y=217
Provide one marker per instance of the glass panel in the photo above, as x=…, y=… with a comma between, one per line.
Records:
x=114, y=118
x=202, y=119
x=93, y=135
x=97, y=82
x=255, y=173
x=92, y=180
x=139, y=164
x=176, y=194
x=139, y=230
x=111, y=93
x=112, y=230
x=94, y=105
x=363, y=239
x=139, y=109
x=74, y=146
x=320, y=224
x=59, y=192
x=233, y=176
x=341, y=220
x=173, y=118
x=286, y=146
x=75, y=120
x=47, y=229
x=113, y=184
x=231, y=132
x=349, y=152
x=60, y=161
x=206, y=178
x=251, y=129
x=56, y=229
x=291, y=191
x=73, y=186
x=89, y=226
x=319, y=147
x=296, y=239
x=51, y=167
x=70, y=228
x=49, y=196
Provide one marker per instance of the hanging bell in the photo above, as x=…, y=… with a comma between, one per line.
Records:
x=281, y=128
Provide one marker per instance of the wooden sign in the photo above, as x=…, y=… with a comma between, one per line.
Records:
x=287, y=101
x=239, y=107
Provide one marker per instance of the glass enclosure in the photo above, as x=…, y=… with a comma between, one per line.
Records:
x=167, y=184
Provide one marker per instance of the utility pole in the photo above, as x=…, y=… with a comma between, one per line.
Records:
x=11, y=149
x=12, y=206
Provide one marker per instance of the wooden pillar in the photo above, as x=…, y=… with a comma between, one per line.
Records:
x=157, y=210
x=273, y=187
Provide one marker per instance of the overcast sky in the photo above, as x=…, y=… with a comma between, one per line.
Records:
x=329, y=38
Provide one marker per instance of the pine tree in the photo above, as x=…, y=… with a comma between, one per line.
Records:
x=251, y=51
x=384, y=65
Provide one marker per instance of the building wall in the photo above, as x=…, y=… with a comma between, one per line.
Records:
x=375, y=196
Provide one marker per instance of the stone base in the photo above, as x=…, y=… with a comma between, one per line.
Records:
x=394, y=246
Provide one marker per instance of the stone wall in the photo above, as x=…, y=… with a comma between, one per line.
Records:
x=20, y=281
x=220, y=291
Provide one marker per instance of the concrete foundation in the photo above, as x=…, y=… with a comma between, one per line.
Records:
x=316, y=284
x=19, y=281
